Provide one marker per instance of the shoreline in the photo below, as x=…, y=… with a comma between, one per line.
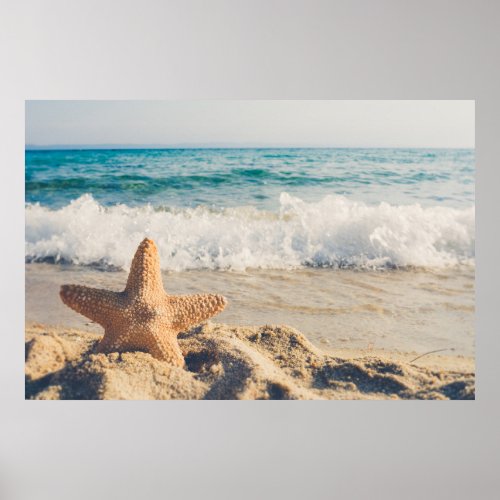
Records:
x=409, y=311
x=237, y=362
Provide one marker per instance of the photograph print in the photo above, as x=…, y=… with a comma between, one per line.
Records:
x=249, y=250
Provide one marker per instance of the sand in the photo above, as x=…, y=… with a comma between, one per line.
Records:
x=234, y=362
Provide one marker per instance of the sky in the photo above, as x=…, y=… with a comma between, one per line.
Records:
x=224, y=123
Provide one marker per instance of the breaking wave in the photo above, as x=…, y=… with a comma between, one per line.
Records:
x=334, y=232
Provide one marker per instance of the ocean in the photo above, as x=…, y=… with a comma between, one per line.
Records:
x=357, y=248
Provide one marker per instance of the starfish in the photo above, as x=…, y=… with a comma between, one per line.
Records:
x=143, y=317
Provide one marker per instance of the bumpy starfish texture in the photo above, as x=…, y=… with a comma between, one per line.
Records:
x=143, y=317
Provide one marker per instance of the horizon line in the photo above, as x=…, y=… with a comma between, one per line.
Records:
x=75, y=147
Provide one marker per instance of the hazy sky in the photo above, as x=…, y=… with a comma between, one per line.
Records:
x=247, y=123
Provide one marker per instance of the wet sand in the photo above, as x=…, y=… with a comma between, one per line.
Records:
x=406, y=310
x=237, y=362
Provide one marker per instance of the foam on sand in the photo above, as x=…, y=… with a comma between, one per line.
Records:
x=224, y=362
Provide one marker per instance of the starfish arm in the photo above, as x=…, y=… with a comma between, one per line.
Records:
x=189, y=310
x=145, y=272
x=167, y=349
x=95, y=304
x=163, y=347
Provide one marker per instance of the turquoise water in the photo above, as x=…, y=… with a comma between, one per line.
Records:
x=237, y=209
x=234, y=177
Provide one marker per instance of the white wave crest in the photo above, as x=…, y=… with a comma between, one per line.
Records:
x=333, y=232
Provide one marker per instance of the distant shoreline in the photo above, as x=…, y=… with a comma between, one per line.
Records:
x=137, y=147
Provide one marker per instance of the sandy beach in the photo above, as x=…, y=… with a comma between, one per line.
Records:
x=236, y=362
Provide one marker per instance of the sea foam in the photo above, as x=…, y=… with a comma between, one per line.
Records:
x=333, y=232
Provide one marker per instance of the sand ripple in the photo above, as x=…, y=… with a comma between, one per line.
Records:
x=224, y=362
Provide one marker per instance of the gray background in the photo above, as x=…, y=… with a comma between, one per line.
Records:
x=266, y=50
